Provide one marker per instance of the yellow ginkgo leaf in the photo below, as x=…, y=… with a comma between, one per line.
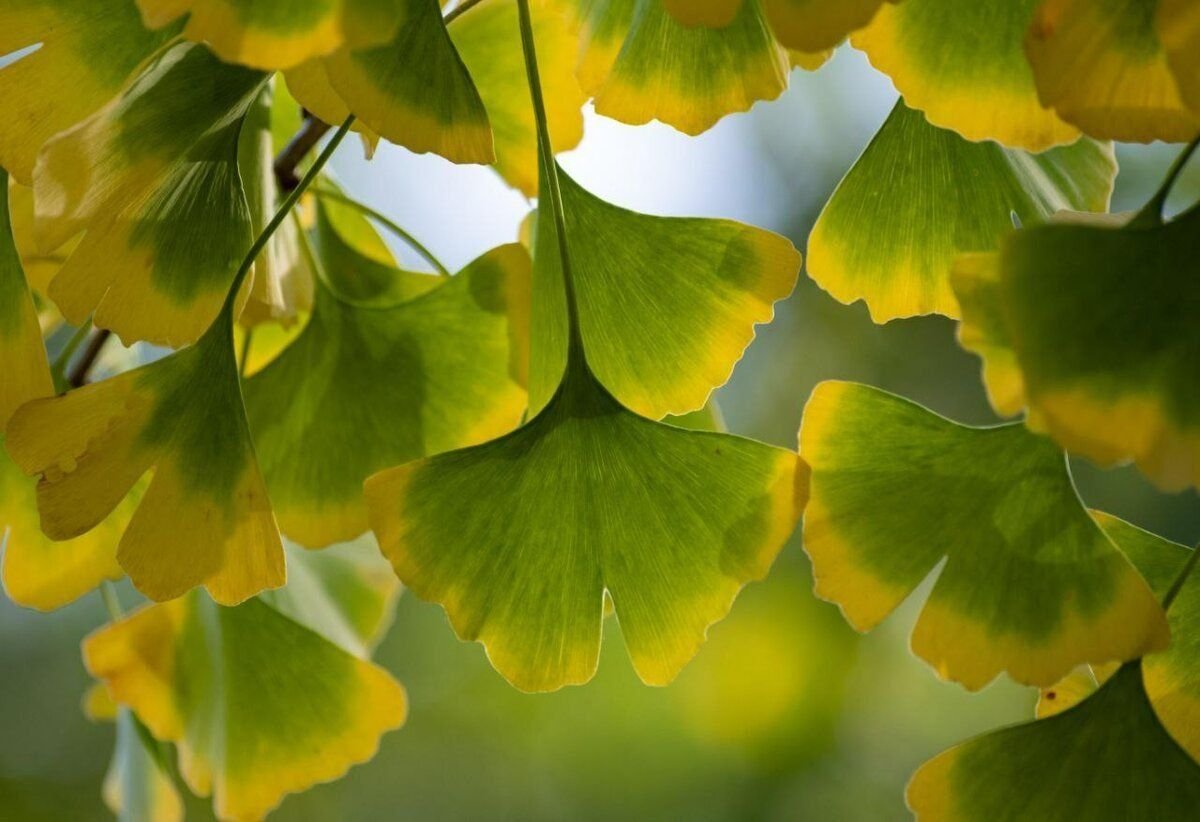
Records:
x=816, y=25
x=1178, y=26
x=1101, y=67
x=711, y=13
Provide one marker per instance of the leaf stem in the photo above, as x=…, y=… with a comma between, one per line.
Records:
x=281, y=213
x=108, y=593
x=409, y=240
x=58, y=368
x=1178, y=584
x=1152, y=213
x=244, y=358
x=550, y=170
x=459, y=10
x=79, y=374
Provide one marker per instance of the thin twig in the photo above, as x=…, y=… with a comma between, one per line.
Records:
x=310, y=133
x=460, y=9
x=79, y=372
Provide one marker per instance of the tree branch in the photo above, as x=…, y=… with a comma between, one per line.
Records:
x=310, y=133
x=79, y=373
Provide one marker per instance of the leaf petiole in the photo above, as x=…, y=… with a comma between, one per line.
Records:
x=1151, y=213
x=409, y=240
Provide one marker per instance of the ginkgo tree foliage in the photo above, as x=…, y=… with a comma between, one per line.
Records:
x=532, y=441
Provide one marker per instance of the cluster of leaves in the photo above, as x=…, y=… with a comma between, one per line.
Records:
x=532, y=440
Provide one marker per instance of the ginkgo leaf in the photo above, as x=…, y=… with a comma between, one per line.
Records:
x=40, y=266
x=258, y=704
x=86, y=49
x=153, y=180
x=282, y=285
x=309, y=84
x=414, y=90
x=964, y=65
x=1108, y=758
x=1178, y=28
x=1101, y=67
x=1115, y=381
x=205, y=518
x=136, y=789
x=1171, y=678
x=368, y=385
x=667, y=304
x=486, y=40
x=1067, y=692
x=642, y=64
x=923, y=195
x=711, y=13
x=1030, y=585
x=520, y=538
x=816, y=25
x=278, y=34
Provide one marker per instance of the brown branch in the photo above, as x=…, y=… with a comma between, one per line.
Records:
x=310, y=133
x=79, y=373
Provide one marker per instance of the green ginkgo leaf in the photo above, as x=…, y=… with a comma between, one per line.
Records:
x=1108, y=759
x=205, y=518
x=486, y=39
x=642, y=64
x=520, y=538
x=1115, y=381
x=1178, y=26
x=414, y=90
x=1101, y=67
x=278, y=34
x=923, y=195
x=86, y=50
x=37, y=572
x=259, y=703
x=152, y=178
x=667, y=305
x=1030, y=585
x=964, y=65
x=372, y=384
x=282, y=286
x=136, y=788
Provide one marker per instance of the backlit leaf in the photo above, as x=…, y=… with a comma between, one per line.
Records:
x=368, y=385
x=258, y=704
x=816, y=25
x=1108, y=760
x=642, y=64
x=278, y=34
x=923, y=195
x=1030, y=584
x=205, y=518
x=1087, y=322
x=86, y=50
x=667, y=304
x=963, y=64
x=520, y=538
x=153, y=180
x=1101, y=67
x=711, y=13
x=1178, y=27
x=486, y=39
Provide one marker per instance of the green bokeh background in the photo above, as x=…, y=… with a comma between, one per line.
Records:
x=786, y=713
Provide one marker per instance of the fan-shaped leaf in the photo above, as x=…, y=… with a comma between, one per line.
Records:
x=964, y=66
x=667, y=305
x=815, y=25
x=923, y=195
x=278, y=34
x=205, y=518
x=492, y=52
x=153, y=180
x=642, y=64
x=1106, y=759
x=1030, y=585
x=259, y=704
x=1100, y=67
x=520, y=538
x=369, y=385
x=85, y=51
x=1114, y=380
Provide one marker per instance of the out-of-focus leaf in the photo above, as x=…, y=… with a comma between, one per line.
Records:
x=816, y=25
x=711, y=13
x=368, y=385
x=205, y=518
x=963, y=64
x=278, y=34
x=920, y=195
x=1108, y=759
x=152, y=179
x=1178, y=27
x=1030, y=585
x=40, y=266
x=259, y=702
x=490, y=48
x=1100, y=66
x=85, y=51
x=667, y=305
x=135, y=788
x=1087, y=322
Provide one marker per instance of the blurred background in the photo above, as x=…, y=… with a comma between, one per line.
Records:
x=786, y=713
